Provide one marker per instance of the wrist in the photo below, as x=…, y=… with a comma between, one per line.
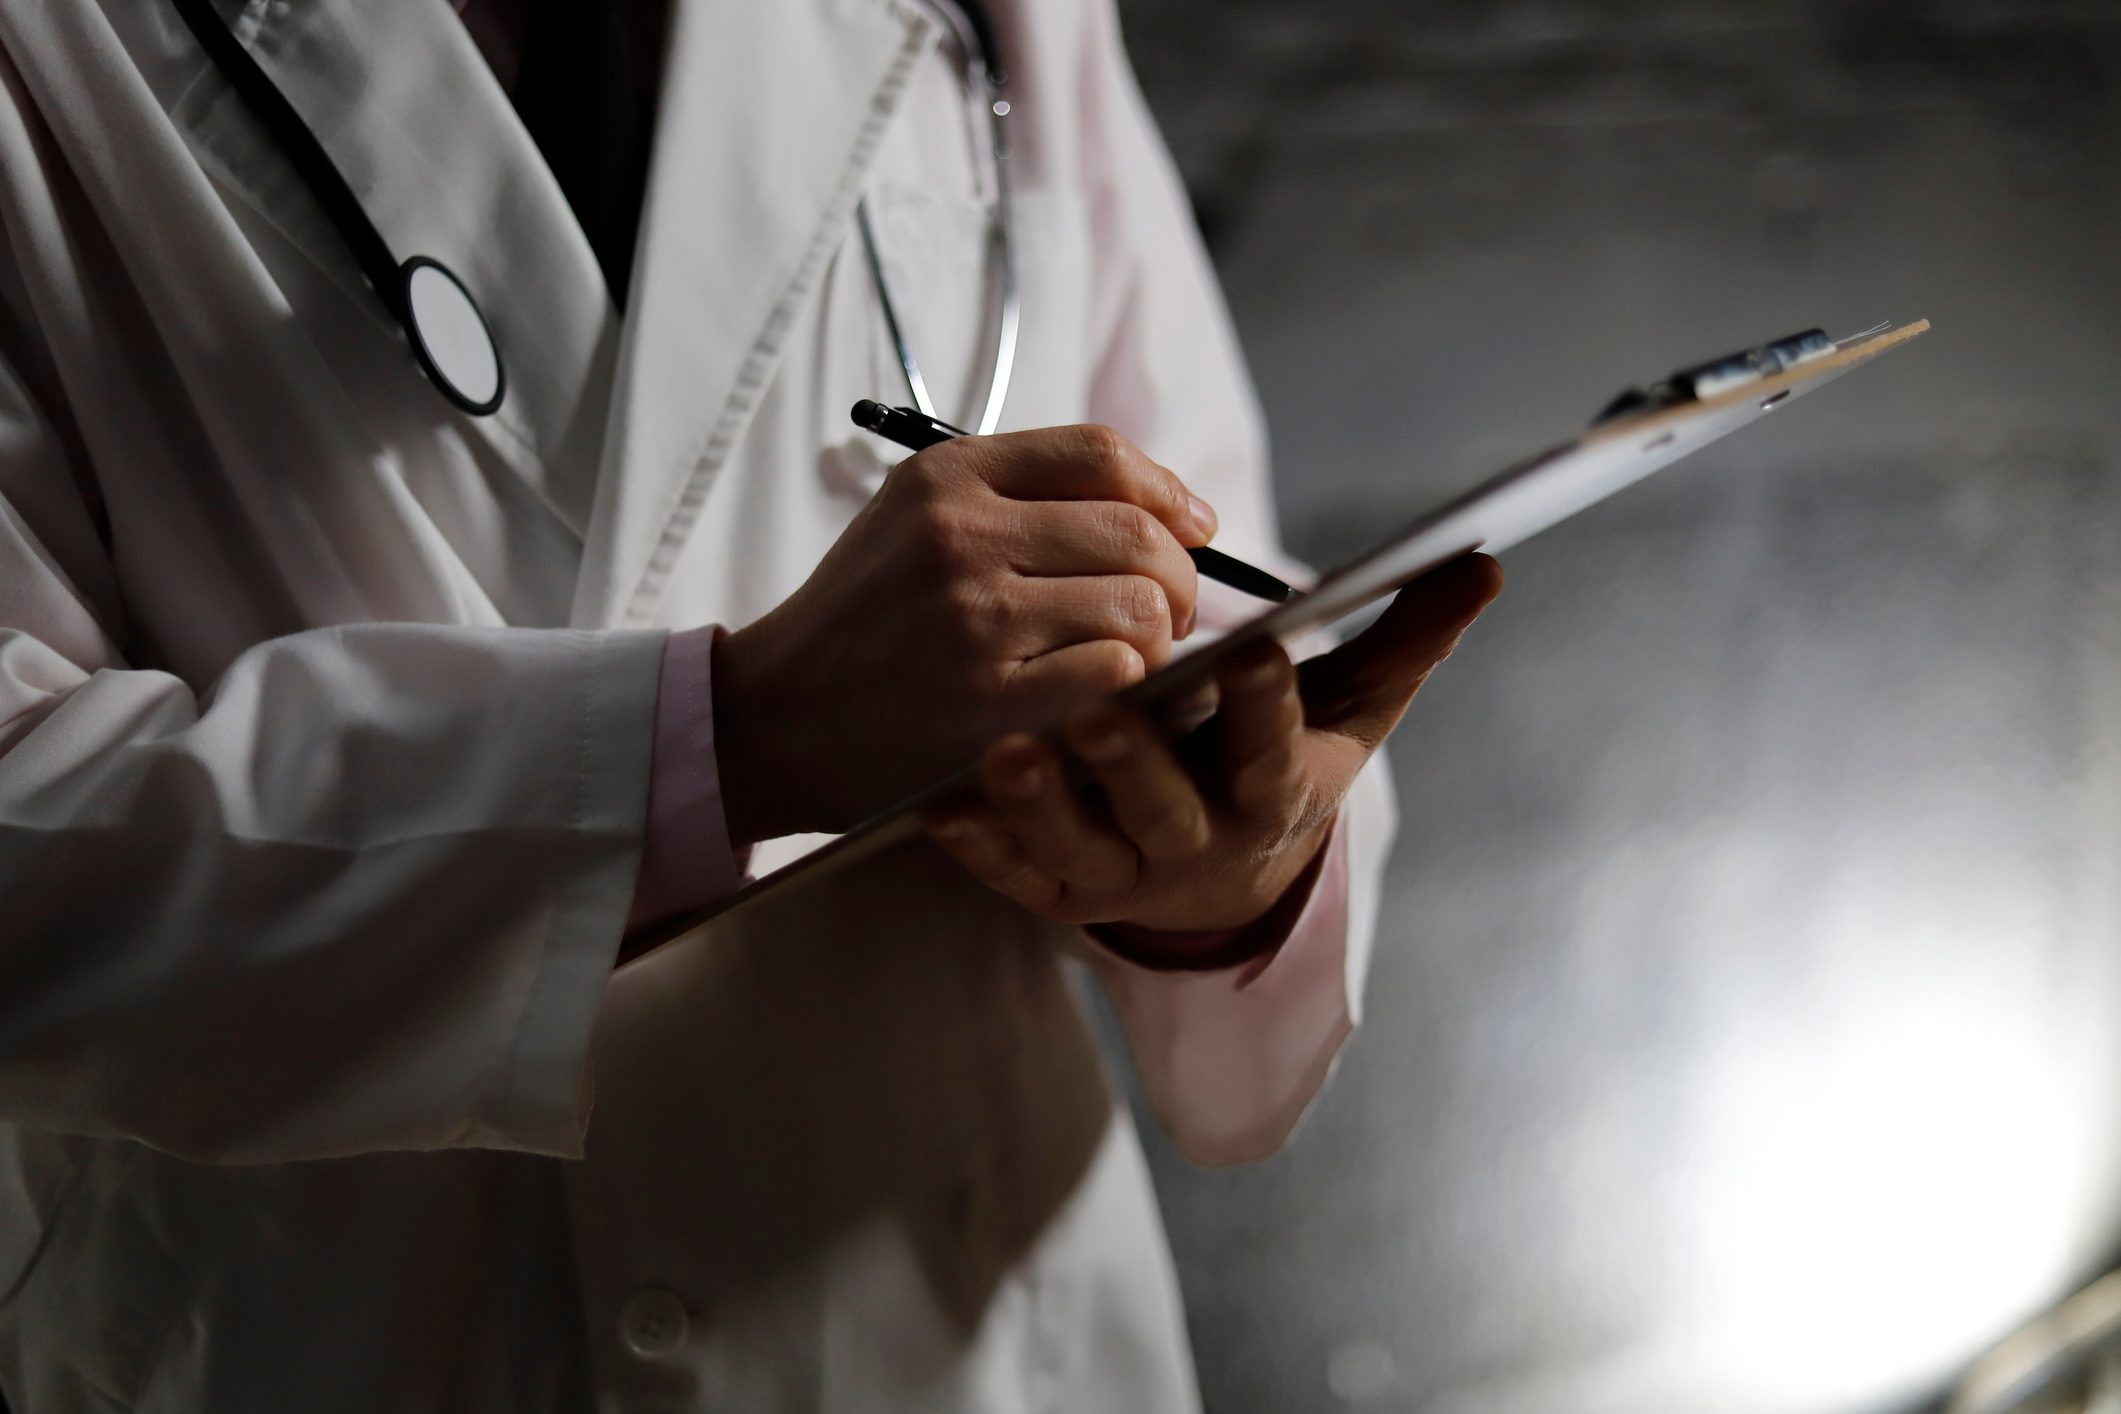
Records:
x=749, y=731
x=1212, y=949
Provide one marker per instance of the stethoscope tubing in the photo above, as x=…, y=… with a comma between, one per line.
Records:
x=975, y=36
x=1010, y=316
x=299, y=145
x=391, y=278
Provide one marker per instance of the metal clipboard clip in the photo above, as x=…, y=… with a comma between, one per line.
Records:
x=1706, y=380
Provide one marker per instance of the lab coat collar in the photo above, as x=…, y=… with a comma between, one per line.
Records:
x=415, y=120
x=769, y=117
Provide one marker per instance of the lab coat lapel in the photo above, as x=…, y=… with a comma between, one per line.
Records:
x=415, y=120
x=770, y=114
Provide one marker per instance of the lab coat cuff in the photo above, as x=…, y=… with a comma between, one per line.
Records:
x=544, y=1101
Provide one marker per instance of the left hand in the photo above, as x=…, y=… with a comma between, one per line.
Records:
x=1209, y=834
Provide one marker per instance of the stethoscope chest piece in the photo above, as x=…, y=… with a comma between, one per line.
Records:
x=449, y=335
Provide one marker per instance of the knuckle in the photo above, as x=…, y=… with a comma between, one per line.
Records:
x=1141, y=605
x=1289, y=721
x=1117, y=665
x=1263, y=673
x=1169, y=830
x=1036, y=892
x=1198, y=832
x=955, y=538
x=1270, y=786
x=971, y=606
x=1102, y=446
x=1136, y=535
x=925, y=473
x=941, y=524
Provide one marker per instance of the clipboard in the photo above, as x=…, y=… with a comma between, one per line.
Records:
x=1640, y=433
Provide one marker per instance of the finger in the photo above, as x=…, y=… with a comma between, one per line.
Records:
x=1029, y=790
x=1152, y=799
x=990, y=854
x=1092, y=463
x=1194, y=708
x=1047, y=614
x=1261, y=723
x=1057, y=683
x=1055, y=539
x=1361, y=688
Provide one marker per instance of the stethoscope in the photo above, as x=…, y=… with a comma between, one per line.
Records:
x=442, y=321
x=983, y=75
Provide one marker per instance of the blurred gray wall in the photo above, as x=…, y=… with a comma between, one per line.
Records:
x=1743, y=1034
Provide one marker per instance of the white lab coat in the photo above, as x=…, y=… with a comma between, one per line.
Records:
x=324, y=741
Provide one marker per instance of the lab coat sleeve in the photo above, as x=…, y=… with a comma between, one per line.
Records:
x=1228, y=1060
x=361, y=893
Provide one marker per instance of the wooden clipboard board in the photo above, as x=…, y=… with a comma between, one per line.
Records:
x=1502, y=511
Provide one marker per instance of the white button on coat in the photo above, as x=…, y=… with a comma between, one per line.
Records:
x=653, y=1324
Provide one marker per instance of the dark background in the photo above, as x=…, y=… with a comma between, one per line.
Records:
x=1742, y=1036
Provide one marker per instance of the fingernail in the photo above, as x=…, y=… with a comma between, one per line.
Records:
x=1026, y=783
x=1203, y=516
x=1261, y=673
x=955, y=831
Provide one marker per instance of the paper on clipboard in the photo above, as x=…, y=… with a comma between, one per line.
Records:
x=1500, y=512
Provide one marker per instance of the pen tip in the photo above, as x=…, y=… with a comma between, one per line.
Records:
x=868, y=413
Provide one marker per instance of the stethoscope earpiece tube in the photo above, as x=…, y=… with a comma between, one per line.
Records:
x=438, y=316
x=441, y=319
x=984, y=74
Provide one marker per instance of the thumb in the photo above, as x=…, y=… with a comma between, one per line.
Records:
x=1362, y=688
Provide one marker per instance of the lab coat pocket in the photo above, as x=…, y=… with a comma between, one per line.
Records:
x=941, y=262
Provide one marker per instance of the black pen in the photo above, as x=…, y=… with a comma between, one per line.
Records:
x=916, y=431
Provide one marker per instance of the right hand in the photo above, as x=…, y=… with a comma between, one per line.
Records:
x=994, y=584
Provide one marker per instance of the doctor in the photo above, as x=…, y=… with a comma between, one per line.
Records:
x=346, y=731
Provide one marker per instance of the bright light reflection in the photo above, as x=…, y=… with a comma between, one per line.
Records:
x=1878, y=1206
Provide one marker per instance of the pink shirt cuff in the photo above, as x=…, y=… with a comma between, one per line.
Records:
x=1230, y=1059
x=686, y=858
x=1323, y=912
